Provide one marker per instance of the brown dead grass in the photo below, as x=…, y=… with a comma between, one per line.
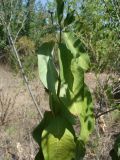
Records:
x=15, y=136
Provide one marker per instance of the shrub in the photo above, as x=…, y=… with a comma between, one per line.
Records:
x=25, y=46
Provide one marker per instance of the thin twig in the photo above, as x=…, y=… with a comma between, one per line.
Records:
x=103, y=113
x=19, y=30
x=23, y=73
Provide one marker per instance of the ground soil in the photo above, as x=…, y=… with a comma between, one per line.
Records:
x=21, y=117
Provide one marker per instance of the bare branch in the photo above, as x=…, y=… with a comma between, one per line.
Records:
x=19, y=30
x=23, y=73
x=103, y=113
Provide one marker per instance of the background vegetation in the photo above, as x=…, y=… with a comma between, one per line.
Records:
x=96, y=24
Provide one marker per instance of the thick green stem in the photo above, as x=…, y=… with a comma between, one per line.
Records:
x=59, y=80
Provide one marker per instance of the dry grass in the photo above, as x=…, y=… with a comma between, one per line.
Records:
x=7, y=106
x=15, y=130
x=19, y=117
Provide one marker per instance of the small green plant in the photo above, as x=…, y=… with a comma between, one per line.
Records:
x=69, y=97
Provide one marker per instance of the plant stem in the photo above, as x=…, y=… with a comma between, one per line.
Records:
x=59, y=80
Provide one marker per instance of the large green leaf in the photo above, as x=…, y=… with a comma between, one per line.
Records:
x=86, y=115
x=73, y=44
x=65, y=58
x=77, y=49
x=71, y=69
x=58, y=149
x=78, y=76
x=58, y=108
x=81, y=106
x=69, y=18
x=47, y=70
x=78, y=99
x=72, y=63
x=80, y=150
x=54, y=125
x=57, y=126
x=43, y=124
x=37, y=133
x=60, y=8
x=84, y=61
x=55, y=135
x=57, y=120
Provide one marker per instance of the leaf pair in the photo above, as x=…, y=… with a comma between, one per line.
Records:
x=60, y=13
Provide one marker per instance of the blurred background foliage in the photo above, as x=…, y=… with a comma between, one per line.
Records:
x=97, y=25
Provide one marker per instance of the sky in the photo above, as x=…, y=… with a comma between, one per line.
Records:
x=43, y=1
